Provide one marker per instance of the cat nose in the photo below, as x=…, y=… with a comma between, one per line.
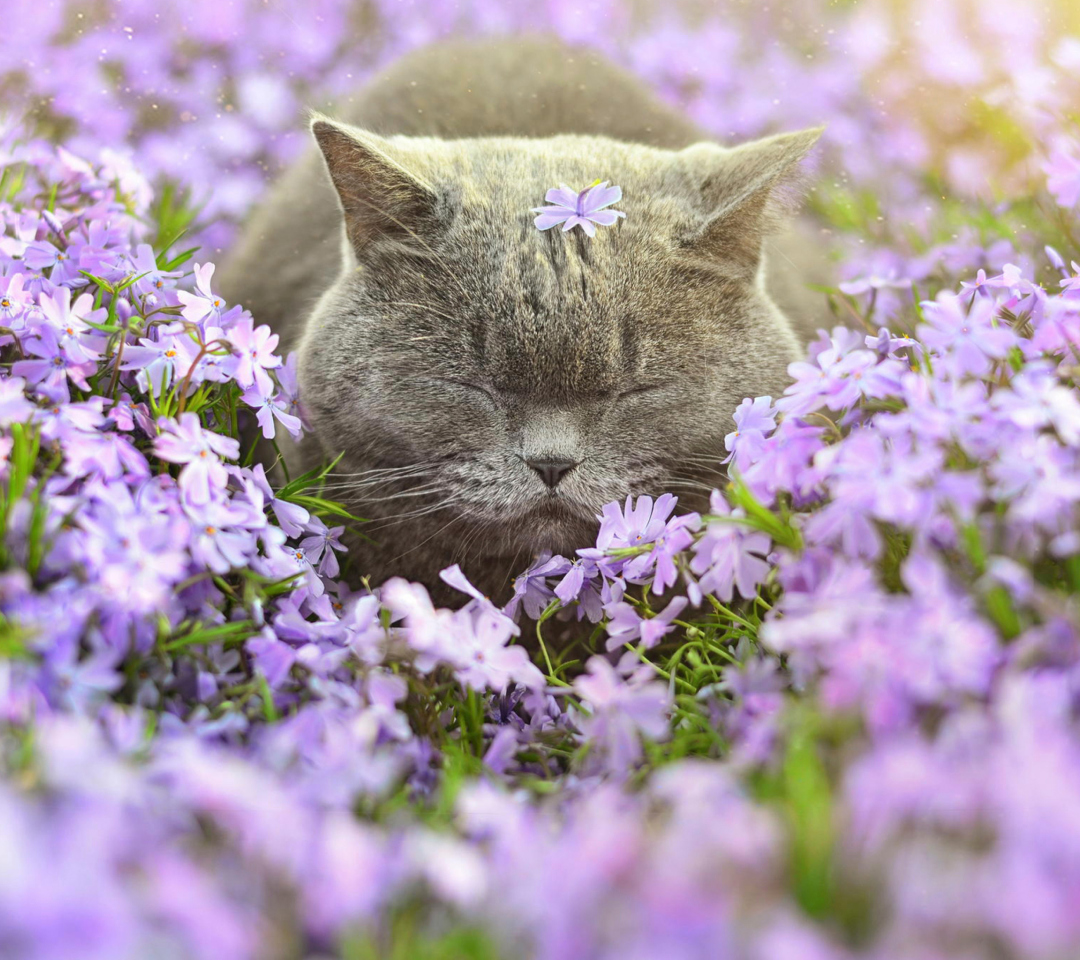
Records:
x=552, y=471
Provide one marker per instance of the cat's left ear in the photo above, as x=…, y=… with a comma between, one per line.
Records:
x=384, y=203
x=746, y=193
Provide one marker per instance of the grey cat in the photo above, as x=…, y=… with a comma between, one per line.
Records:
x=492, y=386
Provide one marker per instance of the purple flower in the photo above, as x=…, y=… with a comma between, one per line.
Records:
x=964, y=334
x=15, y=302
x=585, y=584
x=253, y=352
x=157, y=362
x=72, y=324
x=1063, y=174
x=110, y=456
x=152, y=280
x=625, y=625
x=291, y=517
x=323, y=546
x=636, y=524
x=14, y=407
x=289, y=397
x=531, y=590
x=185, y=441
x=454, y=577
x=582, y=209
x=272, y=657
x=482, y=655
x=754, y=419
x=885, y=344
x=203, y=305
x=729, y=556
x=660, y=561
x=620, y=712
x=62, y=266
x=825, y=380
x=269, y=408
x=51, y=372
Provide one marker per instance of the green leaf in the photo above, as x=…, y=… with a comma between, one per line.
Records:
x=234, y=632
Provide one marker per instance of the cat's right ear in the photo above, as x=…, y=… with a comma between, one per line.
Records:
x=746, y=193
x=383, y=203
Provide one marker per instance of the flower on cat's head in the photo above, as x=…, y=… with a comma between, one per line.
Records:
x=582, y=209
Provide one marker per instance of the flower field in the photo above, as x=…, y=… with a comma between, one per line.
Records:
x=835, y=718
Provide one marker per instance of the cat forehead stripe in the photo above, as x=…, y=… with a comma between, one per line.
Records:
x=583, y=208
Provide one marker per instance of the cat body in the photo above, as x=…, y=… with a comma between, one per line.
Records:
x=493, y=385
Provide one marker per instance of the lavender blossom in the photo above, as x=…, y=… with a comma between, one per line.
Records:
x=584, y=209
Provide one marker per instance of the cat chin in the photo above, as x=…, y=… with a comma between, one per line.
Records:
x=555, y=525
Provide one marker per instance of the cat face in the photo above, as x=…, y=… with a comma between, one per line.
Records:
x=508, y=382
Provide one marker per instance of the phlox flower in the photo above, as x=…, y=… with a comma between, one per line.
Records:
x=729, y=556
x=63, y=267
x=886, y=344
x=754, y=419
x=323, y=546
x=291, y=517
x=1036, y=398
x=584, y=583
x=964, y=334
x=270, y=407
x=584, y=209
x=841, y=382
x=620, y=712
x=158, y=362
x=425, y=629
x=68, y=422
x=14, y=407
x=135, y=554
x=1062, y=171
x=1070, y=282
x=502, y=749
x=454, y=577
x=126, y=413
x=580, y=570
x=1040, y=483
x=152, y=280
x=289, y=396
x=54, y=367
x=659, y=562
x=484, y=658
x=531, y=590
x=185, y=441
x=223, y=534
x=302, y=564
x=1058, y=331
x=783, y=460
x=15, y=302
x=1023, y=297
x=253, y=354
x=111, y=456
x=625, y=625
x=71, y=321
x=874, y=282
x=203, y=305
x=634, y=525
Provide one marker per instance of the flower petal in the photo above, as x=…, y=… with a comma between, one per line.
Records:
x=545, y=221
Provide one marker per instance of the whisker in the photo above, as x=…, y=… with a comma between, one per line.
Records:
x=379, y=471
x=398, y=518
x=427, y=540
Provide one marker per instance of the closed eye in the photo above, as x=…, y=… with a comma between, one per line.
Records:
x=645, y=388
x=475, y=387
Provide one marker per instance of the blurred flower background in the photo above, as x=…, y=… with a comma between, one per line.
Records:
x=851, y=731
